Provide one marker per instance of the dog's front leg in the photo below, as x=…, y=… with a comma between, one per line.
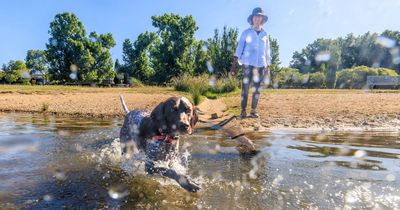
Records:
x=184, y=181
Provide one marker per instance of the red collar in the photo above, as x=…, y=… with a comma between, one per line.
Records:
x=169, y=139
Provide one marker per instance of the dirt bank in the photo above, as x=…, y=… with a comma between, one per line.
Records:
x=310, y=109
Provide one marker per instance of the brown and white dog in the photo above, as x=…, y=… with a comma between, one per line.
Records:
x=156, y=133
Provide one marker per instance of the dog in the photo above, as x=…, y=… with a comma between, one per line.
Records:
x=156, y=133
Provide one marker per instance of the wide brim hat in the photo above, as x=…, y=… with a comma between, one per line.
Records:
x=257, y=12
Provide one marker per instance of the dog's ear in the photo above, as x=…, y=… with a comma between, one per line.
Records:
x=194, y=118
x=158, y=116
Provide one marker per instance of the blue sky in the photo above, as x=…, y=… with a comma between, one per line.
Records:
x=295, y=23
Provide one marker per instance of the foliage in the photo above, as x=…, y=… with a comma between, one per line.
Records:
x=136, y=57
x=369, y=49
x=133, y=82
x=187, y=83
x=16, y=72
x=205, y=85
x=225, y=84
x=316, y=80
x=200, y=58
x=36, y=61
x=322, y=52
x=288, y=78
x=357, y=77
x=221, y=49
x=275, y=61
x=69, y=50
x=2, y=74
x=173, y=54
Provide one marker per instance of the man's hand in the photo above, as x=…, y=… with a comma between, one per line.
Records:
x=233, y=69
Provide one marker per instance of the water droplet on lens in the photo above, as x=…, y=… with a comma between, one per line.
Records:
x=213, y=81
x=376, y=65
x=118, y=191
x=73, y=68
x=360, y=154
x=246, y=80
x=59, y=175
x=390, y=178
x=323, y=56
x=248, y=39
x=25, y=75
x=48, y=197
x=73, y=76
x=210, y=67
x=385, y=42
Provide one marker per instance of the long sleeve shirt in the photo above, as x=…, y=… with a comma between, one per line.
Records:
x=253, y=49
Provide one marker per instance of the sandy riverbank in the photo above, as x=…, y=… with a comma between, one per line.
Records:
x=279, y=109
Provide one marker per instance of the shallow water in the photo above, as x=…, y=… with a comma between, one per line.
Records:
x=54, y=163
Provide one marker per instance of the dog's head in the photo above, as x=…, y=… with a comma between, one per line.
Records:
x=175, y=116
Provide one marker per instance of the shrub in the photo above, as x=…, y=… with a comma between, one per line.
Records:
x=204, y=86
x=187, y=83
x=316, y=80
x=2, y=74
x=357, y=77
x=133, y=82
x=225, y=84
x=289, y=78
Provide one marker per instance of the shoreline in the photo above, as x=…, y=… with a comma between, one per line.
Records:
x=302, y=110
x=276, y=128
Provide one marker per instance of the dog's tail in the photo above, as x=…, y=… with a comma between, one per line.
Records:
x=126, y=110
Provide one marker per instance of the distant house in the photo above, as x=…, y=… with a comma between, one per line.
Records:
x=383, y=81
x=39, y=77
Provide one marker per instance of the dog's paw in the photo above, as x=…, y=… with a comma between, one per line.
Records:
x=188, y=184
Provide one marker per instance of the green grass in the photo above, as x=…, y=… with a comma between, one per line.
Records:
x=56, y=89
x=199, y=86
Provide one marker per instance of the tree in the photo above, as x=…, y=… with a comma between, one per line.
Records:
x=333, y=63
x=275, y=61
x=16, y=71
x=173, y=52
x=392, y=56
x=66, y=47
x=36, y=62
x=200, y=58
x=74, y=56
x=136, y=57
x=2, y=73
x=221, y=49
x=102, y=67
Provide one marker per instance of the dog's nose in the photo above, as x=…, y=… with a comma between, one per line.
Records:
x=184, y=126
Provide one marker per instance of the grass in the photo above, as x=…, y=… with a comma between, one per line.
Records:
x=199, y=86
x=45, y=107
x=57, y=89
